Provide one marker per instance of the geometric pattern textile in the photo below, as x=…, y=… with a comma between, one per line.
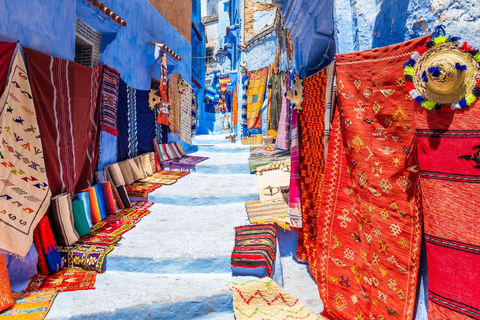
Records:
x=24, y=192
x=264, y=300
x=141, y=189
x=88, y=257
x=108, y=102
x=186, y=115
x=30, y=306
x=273, y=181
x=283, y=134
x=5, y=292
x=370, y=226
x=63, y=280
x=294, y=218
x=448, y=145
x=256, y=93
x=311, y=128
x=66, y=96
x=271, y=212
x=174, y=97
x=132, y=122
x=244, y=104
x=255, y=246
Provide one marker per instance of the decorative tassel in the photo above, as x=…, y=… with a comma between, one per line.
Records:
x=440, y=40
x=434, y=71
x=408, y=70
x=462, y=103
x=409, y=78
x=454, y=39
x=476, y=91
x=460, y=67
x=430, y=44
x=409, y=86
x=419, y=99
x=477, y=57
x=411, y=62
x=428, y=104
x=456, y=106
x=424, y=76
x=467, y=48
x=421, y=49
x=470, y=98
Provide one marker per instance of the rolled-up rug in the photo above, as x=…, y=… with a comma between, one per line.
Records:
x=94, y=209
x=85, y=199
x=108, y=195
x=62, y=219
x=122, y=197
x=101, y=200
x=80, y=221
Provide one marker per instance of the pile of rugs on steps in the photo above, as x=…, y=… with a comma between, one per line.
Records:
x=172, y=156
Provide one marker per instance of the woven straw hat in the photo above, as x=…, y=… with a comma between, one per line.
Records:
x=445, y=74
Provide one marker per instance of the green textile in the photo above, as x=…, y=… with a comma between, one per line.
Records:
x=79, y=217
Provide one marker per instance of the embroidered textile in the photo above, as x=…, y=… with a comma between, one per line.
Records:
x=265, y=300
x=174, y=96
x=141, y=189
x=24, y=189
x=194, y=115
x=222, y=103
x=269, y=212
x=370, y=226
x=30, y=306
x=6, y=53
x=88, y=257
x=159, y=180
x=256, y=94
x=66, y=96
x=63, y=280
x=186, y=115
x=311, y=126
x=283, y=134
x=255, y=246
x=448, y=145
x=295, y=219
x=6, y=300
x=108, y=101
x=273, y=181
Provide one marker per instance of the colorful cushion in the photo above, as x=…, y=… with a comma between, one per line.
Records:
x=135, y=171
x=108, y=195
x=179, y=148
x=80, y=221
x=94, y=208
x=157, y=163
x=138, y=162
x=116, y=174
x=146, y=164
x=101, y=200
x=173, y=148
x=152, y=161
x=118, y=199
x=163, y=153
x=62, y=219
x=121, y=192
x=126, y=170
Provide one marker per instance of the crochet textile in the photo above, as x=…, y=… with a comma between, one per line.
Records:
x=255, y=246
x=66, y=96
x=312, y=163
x=370, y=225
x=448, y=144
x=30, y=306
x=263, y=299
x=63, y=280
x=256, y=94
x=25, y=193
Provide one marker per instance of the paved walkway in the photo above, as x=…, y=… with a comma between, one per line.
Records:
x=176, y=263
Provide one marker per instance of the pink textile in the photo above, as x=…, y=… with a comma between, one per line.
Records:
x=283, y=137
x=294, y=218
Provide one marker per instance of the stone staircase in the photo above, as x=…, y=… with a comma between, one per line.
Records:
x=175, y=264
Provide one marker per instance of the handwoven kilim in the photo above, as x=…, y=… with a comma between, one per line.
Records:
x=283, y=133
x=122, y=122
x=263, y=155
x=311, y=128
x=295, y=218
x=47, y=248
x=63, y=280
x=222, y=104
x=370, y=226
x=6, y=54
x=256, y=93
x=235, y=107
x=66, y=96
x=117, y=228
x=174, y=97
x=448, y=145
x=30, y=306
x=264, y=300
x=268, y=212
x=6, y=300
x=141, y=189
x=186, y=115
x=159, y=180
x=145, y=126
x=273, y=181
x=87, y=257
x=132, y=122
x=108, y=102
x=99, y=239
x=164, y=174
x=255, y=246
x=244, y=104
x=24, y=192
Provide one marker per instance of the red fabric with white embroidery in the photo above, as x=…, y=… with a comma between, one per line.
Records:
x=369, y=231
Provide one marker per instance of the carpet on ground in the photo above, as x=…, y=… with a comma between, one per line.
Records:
x=370, y=223
x=165, y=174
x=24, y=190
x=265, y=300
x=66, y=96
x=63, y=280
x=256, y=93
x=255, y=246
x=268, y=212
x=311, y=130
x=159, y=180
x=99, y=239
x=141, y=189
x=87, y=257
x=30, y=306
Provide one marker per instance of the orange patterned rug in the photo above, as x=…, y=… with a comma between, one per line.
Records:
x=63, y=280
x=30, y=306
x=312, y=163
x=370, y=225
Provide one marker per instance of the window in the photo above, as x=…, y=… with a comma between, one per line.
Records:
x=209, y=60
x=87, y=44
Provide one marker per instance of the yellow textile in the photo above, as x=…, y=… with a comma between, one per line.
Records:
x=29, y=306
x=256, y=94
